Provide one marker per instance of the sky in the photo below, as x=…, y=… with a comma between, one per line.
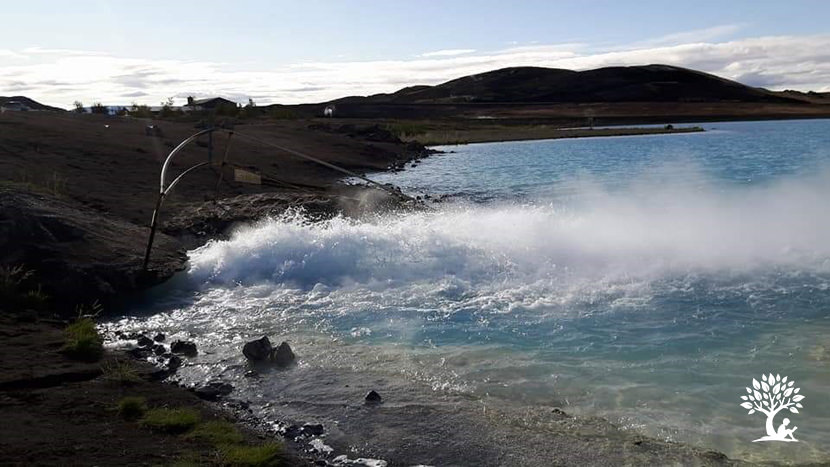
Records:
x=121, y=52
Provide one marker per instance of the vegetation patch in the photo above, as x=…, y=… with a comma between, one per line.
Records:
x=219, y=433
x=171, y=420
x=120, y=371
x=132, y=408
x=83, y=341
x=261, y=455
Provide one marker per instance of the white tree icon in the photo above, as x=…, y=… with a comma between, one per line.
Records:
x=772, y=395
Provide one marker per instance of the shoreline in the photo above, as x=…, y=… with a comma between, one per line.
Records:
x=462, y=137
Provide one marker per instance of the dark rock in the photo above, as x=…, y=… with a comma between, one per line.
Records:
x=174, y=362
x=283, y=355
x=373, y=397
x=292, y=431
x=159, y=350
x=186, y=348
x=315, y=429
x=80, y=254
x=214, y=390
x=139, y=353
x=144, y=341
x=251, y=374
x=258, y=350
x=159, y=337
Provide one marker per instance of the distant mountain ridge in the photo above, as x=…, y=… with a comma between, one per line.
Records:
x=30, y=103
x=648, y=83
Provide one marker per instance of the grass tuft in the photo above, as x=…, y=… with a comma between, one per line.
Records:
x=218, y=433
x=132, y=408
x=120, y=371
x=262, y=455
x=171, y=420
x=83, y=341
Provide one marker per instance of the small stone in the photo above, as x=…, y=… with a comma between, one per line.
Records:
x=139, y=353
x=251, y=374
x=186, y=348
x=144, y=341
x=292, y=431
x=283, y=355
x=373, y=397
x=257, y=350
x=159, y=337
x=159, y=350
x=213, y=390
x=315, y=429
x=174, y=362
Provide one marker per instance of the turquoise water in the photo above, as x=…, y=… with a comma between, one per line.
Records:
x=644, y=279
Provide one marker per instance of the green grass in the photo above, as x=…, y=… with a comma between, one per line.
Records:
x=132, y=408
x=120, y=371
x=82, y=341
x=171, y=420
x=261, y=455
x=219, y=433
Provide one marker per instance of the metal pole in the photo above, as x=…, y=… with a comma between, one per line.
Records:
x=153, y=223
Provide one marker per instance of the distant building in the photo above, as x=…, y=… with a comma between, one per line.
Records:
x=210, y=103
x=14, y=106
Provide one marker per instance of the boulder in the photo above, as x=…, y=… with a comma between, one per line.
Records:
x=186, y=348
x=159, y=337
x=283, y=355
x=144, y=341
x=258, y=350
x=373, y=397
x=213, y=391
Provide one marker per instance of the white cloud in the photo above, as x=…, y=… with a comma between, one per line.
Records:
x=448, y=53
x=60, y=77
x=693, y=36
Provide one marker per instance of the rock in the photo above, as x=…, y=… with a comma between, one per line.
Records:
x=214, y=390
x=80, y=254
x=159, y=337
x=144, y=341
x=315, y=429
x=173, y=363
x=186, y=348
x=292, y=431
x=159, y=349
x=283, y=355
x=373, y=397
x=258, y=350
x=140, y=353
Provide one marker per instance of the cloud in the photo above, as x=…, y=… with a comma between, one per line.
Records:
x=60, y=77
x=693, y=36
x=448, y=53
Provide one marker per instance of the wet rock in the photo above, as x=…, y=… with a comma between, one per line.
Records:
x=185, y=348
x=173, y=363
x=373, y=397
x=315, y=429
x=159, y=337
x=213, y=391
x=159, y=350
x=144, y=341
x=251, y=374
x=283, y=355
x=559, y=414
x=139, y=353
x=292, y=431
x=258, y=350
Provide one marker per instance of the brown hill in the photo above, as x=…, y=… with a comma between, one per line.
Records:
x=651, y=83
x=30, y=103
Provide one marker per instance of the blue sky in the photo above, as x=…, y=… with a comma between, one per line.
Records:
x=312, y=50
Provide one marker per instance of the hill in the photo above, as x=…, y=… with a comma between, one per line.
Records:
x=30, y=103
x=650, y=83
